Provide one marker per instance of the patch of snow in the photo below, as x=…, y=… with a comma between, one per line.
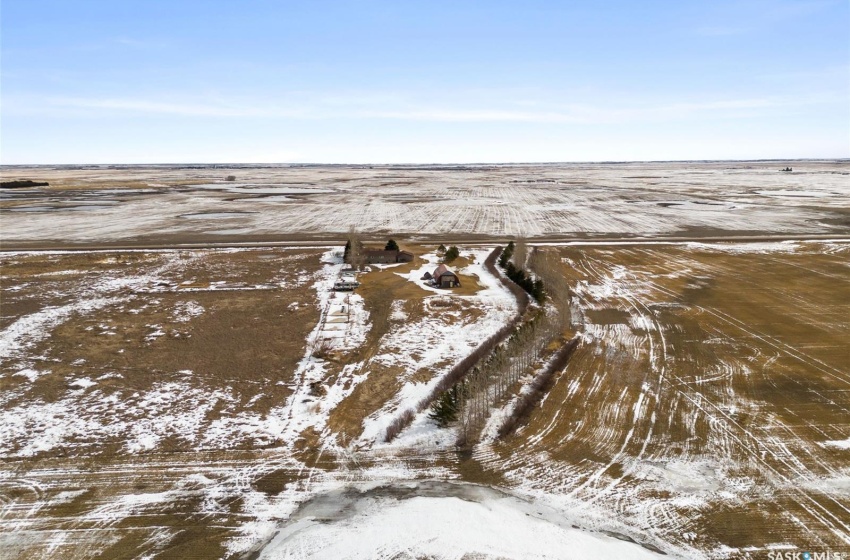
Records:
x=186, y=310
x=397, y=311
x=31, y=374
x=82, y=383
x=30, y=329
x=155, y=333
x=838, y=443
x=451, y=527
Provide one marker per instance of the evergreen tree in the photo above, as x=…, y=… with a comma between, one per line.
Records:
x=538, y=292
x=445, y=409
x=516, y=274
x=441, y=248
x=451, y=254
x=391, y=246
x=347, y=251
x=506, y=255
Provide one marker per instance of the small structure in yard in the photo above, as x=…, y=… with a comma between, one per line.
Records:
x=427, y=276
x=382, y=256
x=445, y=278
x=345, y=285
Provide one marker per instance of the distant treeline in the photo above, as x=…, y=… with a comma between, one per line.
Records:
x=22, y=184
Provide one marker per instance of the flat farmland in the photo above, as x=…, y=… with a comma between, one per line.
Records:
x=170, y=403
x=170, y=204
x=130, y=382
x=177, y=403
x=167, y=393
x=709, y=402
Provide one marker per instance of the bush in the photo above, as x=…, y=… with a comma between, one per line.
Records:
x=397, y=425
x=323, y=350
x=537, y=291
x=317, y=389
x=507, y=253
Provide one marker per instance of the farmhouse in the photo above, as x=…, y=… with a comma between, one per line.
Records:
x=445, y=278
x=380, y=256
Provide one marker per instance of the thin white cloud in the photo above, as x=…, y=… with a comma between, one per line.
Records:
x=395, y=108
x=129, y=105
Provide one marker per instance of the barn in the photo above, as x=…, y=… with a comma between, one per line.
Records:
x=445, y=278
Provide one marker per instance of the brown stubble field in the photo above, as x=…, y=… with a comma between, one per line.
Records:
x=187, y=342
x=702, y=401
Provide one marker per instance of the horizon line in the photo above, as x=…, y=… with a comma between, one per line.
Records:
x=427, y=164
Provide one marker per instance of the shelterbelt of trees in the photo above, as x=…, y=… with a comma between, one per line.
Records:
x=515, y=272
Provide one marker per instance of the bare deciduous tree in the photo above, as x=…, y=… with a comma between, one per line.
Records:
x=520, y=253
x=356, y=258
x=546, y=263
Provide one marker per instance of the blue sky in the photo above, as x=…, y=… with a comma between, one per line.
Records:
x=370, y=82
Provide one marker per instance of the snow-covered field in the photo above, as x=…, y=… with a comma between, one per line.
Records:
x=88, y=205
